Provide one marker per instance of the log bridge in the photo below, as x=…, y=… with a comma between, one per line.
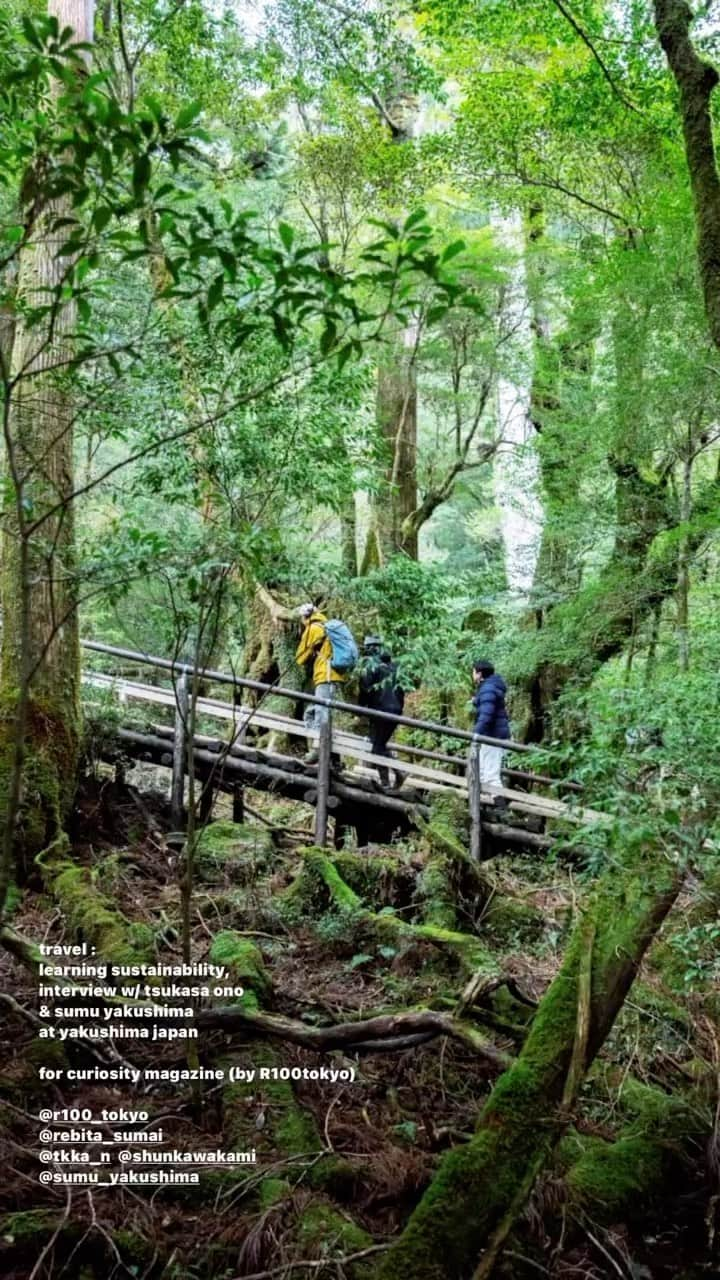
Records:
x=350, y=792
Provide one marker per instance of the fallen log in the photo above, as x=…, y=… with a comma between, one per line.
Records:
x=384, y=1029
x=459, y=1227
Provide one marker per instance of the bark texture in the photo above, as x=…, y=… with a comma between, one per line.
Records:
x=40, y=676
x=696, y=79
x=392, y=529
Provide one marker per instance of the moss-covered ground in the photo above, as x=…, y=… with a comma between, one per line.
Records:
x=321, y=938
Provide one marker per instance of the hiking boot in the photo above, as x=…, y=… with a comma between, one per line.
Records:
x=500, y=803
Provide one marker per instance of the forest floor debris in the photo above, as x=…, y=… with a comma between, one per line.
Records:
x=353, y=1160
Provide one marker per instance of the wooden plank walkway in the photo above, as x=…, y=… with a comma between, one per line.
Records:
x=351, y=746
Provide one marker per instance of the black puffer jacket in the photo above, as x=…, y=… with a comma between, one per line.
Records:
x=379, y=688
x=490, y=710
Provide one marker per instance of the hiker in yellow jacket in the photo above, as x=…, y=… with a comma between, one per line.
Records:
x=315, y=652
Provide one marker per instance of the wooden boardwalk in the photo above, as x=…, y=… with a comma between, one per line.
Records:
x=240, y=719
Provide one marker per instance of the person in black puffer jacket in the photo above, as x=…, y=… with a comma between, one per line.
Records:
x=380, y=690
x=491, y=720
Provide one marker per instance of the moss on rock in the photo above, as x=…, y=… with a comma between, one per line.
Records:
x=320, y=888
x=232, y=850
x=616, y=1179
x=511, y=922
x=244, y=962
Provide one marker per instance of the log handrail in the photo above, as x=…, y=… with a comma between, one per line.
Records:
x=243, y=682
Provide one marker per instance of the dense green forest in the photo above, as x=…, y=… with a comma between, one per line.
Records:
x=407, y=311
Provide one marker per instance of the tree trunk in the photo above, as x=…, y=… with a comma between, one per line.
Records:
x=273, y=632
x=634, y=582
x=696, y=80
x=557, y=574
x=480, y=1188
x=40, y=670
x=396, y=408
x=396, y=404
x=348, y=536
x=684, y=551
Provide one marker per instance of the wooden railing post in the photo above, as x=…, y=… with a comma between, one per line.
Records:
x=323, y=787
x=207, y=799
x=177, y=792
x=474, y=787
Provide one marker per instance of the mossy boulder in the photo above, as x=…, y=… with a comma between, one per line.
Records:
x=618, y=1180
x=649, y=1110
x=615, y=1179
x=379, y=879
x=232, y=851
x=510, y=922
x=244, y=963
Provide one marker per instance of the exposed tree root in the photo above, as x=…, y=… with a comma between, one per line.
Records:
x=319, y=870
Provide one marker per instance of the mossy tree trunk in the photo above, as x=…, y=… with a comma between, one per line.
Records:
x=348, y=536
x=40, y=670
x=467, y=1212
x=559, y=362
x=696, y=80
x=634, y=582
x=392, y=528
x=397, y=419
x=548, y=578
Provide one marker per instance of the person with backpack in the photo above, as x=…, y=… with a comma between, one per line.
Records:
x=491, y=720
x=380, y=691
x=327, y=650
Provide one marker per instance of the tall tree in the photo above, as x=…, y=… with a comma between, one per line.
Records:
x=696, y=79
x=39, y=683
x=392, y=528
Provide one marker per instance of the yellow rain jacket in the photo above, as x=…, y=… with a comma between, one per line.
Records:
x=314, y=644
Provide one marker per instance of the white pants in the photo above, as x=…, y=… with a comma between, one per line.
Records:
x=491, y=761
